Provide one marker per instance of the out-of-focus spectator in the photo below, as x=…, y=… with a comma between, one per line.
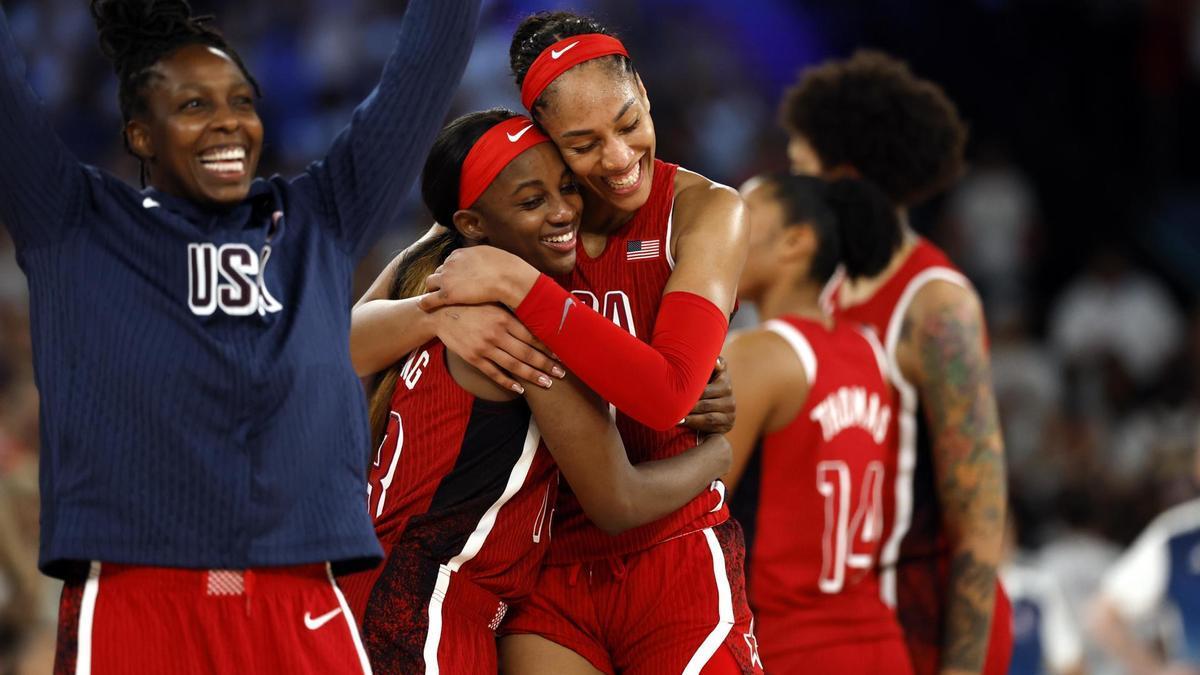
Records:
x=1116, y=312
x=1046, y=636
x=993, y=212
x=1157, y=579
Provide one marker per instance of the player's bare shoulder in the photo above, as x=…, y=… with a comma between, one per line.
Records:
x=941, y=310
x=695, y=194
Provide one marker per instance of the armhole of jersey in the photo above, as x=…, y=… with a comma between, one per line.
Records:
x=876, y=348
x=826, y=299
x=896, y=322
x=669, y=244
x=799, y=344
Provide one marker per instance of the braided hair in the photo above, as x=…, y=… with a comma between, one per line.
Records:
x=539, y=31
x=136, y=34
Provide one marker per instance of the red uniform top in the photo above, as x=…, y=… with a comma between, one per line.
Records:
x=915, y=555
x=625, y=283
x=459, y=481
x=814, y=528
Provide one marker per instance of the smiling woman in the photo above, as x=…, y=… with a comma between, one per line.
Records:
x=204, y=433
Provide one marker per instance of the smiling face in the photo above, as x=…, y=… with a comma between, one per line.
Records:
x=200, y=135
x=531, y=210
x=600, y=120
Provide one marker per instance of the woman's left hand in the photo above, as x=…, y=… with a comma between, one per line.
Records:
x=716, y=411
x=477, y=275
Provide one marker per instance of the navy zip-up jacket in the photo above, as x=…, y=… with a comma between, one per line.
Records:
x=198, y=406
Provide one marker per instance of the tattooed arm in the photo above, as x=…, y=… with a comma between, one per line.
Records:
x=943, y=353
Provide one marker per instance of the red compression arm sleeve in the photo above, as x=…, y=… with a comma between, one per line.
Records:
x=656, y=384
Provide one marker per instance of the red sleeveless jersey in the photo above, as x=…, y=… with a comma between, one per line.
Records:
x=912, y=513
x=459, y=481
x=625, y=283
x=815, y=526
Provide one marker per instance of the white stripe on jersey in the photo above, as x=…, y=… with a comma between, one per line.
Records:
x=475, y=542
x=907, y=417
x=799, y=343
x=351, y=623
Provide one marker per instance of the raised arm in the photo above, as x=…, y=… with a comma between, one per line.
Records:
x=42, y=182
x=689, y=330
x=943, y=353
x=362, y=182
x=587, y=447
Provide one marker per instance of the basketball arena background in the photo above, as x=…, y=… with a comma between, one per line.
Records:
x=1079, y=219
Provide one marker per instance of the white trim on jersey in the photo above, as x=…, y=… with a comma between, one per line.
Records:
x=667, y=245
x=725, y=617
x=906, y=463
x=799, y=343
x=87, y=615
x=475, y=542
x=351, y=623
x=826, y=299
x=876, y=348
x=1137, y=583
x=1061, y=638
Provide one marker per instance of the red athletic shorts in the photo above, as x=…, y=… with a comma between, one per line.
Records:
x=121, y=619
x=679, y=606
x=417, y=615
x=920, y=593
x=878, y=657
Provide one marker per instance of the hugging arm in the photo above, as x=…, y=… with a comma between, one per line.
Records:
x=616, y=495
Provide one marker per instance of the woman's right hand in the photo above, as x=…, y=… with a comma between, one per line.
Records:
x=497, y=344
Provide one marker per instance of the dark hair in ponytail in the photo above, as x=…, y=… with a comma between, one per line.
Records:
x=136, y=34
x=440, y=180
x=855, y=224
x=539, y=31
x=869, y=228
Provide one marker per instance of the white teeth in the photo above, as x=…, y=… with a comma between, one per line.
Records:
x=628, y=181
x=560, y=239
x=226, y=167
x=224, y=155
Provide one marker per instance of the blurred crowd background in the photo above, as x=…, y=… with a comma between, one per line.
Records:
x=1077, y=219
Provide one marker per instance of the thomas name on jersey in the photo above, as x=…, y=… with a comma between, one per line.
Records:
x=852, y=407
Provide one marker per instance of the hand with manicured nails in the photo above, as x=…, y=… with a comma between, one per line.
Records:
x=476, y=275
x=496, y=344
x=716, y=411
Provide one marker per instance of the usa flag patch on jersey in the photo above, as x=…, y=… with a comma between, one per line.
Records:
x=642, y=249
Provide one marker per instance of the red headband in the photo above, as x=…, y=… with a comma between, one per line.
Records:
x=562, y=56
x=492, y=152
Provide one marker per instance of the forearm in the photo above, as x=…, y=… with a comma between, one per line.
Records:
x=656, y=383
x=1114, y=636
x=41, y=180
x=384, y=331
x=372, y=163
x=658, y=489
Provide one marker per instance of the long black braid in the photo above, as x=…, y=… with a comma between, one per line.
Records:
x=136, y=34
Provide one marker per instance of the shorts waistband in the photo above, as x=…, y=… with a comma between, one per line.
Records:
x=214, y=582
x=458, y=593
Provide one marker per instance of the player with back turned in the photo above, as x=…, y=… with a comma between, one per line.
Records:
x=813, y=432
x=203, y=432
x=945, y=497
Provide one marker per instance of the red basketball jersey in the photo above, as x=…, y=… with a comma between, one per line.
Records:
x=914, y=561
x=459, y=481
x=625, y=283
x=814, y=542
x=912, y=513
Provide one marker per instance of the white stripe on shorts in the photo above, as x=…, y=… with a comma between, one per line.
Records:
x=351, y=621
x=87, y=614
x=724, y=608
